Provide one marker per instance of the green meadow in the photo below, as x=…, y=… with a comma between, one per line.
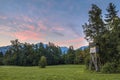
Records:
x=60, y=72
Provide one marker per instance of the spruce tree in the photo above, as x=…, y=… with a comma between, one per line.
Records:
x=95, y=28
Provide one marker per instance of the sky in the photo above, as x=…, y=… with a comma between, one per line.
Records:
x=57, y=21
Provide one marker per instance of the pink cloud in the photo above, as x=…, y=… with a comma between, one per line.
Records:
x=27, y=26
x=41, y=26
x=57, y=28
x=4, y=28
x=28, y=35
x=30, y=27
x=22, y=34
x=27, y=19
x=24, y=18
x=75, y=42
x=71, y=41
x=21, y=27
x=29, y=31
x=79, y=44
x=3, y=17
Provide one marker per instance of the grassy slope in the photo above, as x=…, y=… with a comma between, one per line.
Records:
x=62, y=72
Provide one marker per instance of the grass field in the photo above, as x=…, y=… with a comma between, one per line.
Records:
x=61, y=72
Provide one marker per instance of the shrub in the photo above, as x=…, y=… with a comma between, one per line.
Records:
x=42, y=62
x=111, y=68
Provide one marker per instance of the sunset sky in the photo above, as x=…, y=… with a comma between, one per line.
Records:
x=57, y=21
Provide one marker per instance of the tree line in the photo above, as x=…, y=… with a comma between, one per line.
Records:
x=25, y=54
x=105, y=33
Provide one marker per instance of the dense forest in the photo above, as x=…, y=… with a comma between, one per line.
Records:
x=25, y=54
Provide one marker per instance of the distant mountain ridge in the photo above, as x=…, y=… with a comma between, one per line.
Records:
x=64, y=49
x=83, y=47
x=4, y=49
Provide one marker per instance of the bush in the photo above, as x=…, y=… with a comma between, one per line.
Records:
x=111, y=68
x=42, y=62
